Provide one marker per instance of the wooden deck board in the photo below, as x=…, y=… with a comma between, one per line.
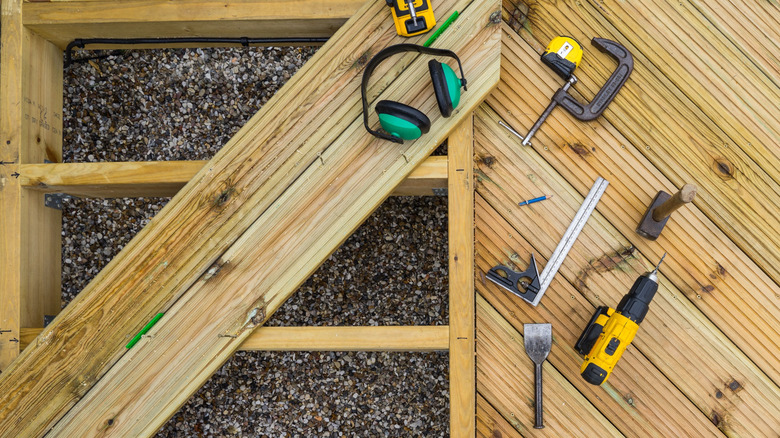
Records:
x=678, y=136
x=706, y=357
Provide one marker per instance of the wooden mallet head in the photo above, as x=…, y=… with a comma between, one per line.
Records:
x=656, y=216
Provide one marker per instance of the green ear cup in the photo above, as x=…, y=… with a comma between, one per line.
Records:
x=453, y=84
x=399, y=127
x=446, y=86
x=402, y=120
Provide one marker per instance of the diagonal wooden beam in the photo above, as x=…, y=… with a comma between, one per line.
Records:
x=227, y=250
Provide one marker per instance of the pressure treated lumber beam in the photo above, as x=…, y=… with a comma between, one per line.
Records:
x=696, y=357
x=460, y=217
x=505, y=380
x=712, y=268
x=62, y=22
x=230, y=247
x=30, y=131
x=680, y=137
x=370, y=338
x=166, y=178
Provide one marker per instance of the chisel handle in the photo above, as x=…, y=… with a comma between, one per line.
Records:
x=539, y=424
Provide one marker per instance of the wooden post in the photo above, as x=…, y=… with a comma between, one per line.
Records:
x=461, y=266
x=30, y=131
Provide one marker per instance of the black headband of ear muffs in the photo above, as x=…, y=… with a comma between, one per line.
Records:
x=388, y=52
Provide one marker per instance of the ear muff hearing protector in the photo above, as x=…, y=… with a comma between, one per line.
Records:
x=404, y=122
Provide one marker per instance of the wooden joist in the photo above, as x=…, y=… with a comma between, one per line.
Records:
x=64, y=21
x=166, y=178
x=370, y=338
x=230, y=247
x=460, y=215
x=706, y=371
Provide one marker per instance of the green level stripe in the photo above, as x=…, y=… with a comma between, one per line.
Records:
x=143, y=331
x=441, y=29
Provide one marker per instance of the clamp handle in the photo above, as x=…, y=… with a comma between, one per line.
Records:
x=607, y=93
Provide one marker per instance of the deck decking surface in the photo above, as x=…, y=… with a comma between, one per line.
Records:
x=701, y=107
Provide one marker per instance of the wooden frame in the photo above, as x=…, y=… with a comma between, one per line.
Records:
x=31, y=126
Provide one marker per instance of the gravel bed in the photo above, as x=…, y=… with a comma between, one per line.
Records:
x=185, y=104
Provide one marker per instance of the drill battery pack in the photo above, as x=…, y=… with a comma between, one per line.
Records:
x=592, y=331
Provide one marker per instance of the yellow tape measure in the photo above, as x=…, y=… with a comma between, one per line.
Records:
x=563, y=55
x=412, y=17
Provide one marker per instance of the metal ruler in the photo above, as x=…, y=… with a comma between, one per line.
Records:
x=529, y=285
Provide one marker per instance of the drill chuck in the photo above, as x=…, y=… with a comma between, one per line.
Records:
x=636, y=303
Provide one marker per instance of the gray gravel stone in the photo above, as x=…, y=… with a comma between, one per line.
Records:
x=185, y=104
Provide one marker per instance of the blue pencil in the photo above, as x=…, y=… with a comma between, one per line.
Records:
x=531, y=201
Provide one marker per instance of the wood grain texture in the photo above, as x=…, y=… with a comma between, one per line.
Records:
x=711, y=271
x=30, y=131
x=274, y=205
x=166, y=178
x=505, y=380
x=460, y=216
x=369, y=338
x=688, y=140
x=382, y=338
x=490, y=423
x=62, y=22
x=638, y=399
x=676, y=337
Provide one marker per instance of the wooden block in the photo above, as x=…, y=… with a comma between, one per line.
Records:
x=227, y=250
x=371, y=338
x=386, y=338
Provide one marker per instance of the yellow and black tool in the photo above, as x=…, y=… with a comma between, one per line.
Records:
x=412, y=17
x=563, y=55
x=610, y=331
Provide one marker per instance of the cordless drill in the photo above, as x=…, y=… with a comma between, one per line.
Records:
x=610, y=331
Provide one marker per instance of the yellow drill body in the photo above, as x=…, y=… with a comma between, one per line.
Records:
x=610, y=331
x=616, y=336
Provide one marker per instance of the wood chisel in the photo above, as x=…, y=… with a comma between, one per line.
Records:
x=529, y=285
